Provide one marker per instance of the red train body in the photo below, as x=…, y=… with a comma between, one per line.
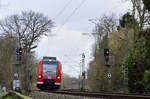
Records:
x=49, y=73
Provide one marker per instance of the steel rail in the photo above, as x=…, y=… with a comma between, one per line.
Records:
x=98, y=94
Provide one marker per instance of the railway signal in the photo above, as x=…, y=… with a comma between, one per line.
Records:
x=106, y=52
x=106, y=55
x=19, y=53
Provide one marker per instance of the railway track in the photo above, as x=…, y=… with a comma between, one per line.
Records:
x=97, y=94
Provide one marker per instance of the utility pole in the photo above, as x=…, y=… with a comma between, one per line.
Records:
x=126, y=52
x=27, y=72
x=83, y=72
x=126, y=34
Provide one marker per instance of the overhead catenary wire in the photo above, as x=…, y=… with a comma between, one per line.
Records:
x=71, y=59
x=63, y=9
x=67, y=19
x=75, y=69
x=73, y=12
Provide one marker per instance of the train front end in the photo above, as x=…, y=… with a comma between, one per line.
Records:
x=49, y=73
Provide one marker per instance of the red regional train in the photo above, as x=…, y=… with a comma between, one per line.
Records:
x=49, y=73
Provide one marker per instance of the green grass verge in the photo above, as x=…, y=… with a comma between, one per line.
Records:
x=3, y=94
x=13, y=95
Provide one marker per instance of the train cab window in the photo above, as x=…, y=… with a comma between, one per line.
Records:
x=49, y=69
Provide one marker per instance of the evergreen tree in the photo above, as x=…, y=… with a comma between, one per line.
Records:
x=147, y=4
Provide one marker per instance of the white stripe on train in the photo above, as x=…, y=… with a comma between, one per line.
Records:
x=42, y=83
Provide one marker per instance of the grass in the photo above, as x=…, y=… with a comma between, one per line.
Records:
x=3, y=94
x=9, y=97
x=12, y=95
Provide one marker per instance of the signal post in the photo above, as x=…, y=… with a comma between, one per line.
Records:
x=16, y=80
x=107, y=63
x=83, y=73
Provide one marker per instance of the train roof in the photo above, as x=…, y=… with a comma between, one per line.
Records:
x=49, y=59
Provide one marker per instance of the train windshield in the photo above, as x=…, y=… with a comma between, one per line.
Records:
x=49, y=69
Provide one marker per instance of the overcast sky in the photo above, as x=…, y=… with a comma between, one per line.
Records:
x=71, y=20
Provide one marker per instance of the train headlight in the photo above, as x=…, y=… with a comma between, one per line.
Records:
x=58, y=77
x=40, y=76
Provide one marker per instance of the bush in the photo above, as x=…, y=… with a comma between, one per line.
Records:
x=138, y=63
x=147, y=81
x=23, y=92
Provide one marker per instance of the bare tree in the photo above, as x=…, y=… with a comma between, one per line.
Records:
x=28, y=27
x=103, y=26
